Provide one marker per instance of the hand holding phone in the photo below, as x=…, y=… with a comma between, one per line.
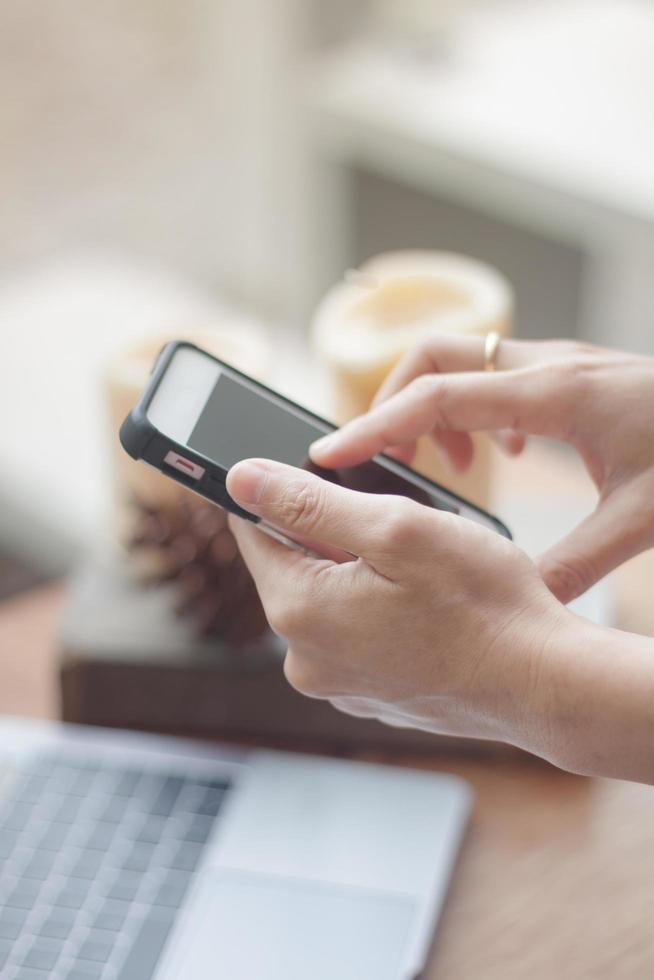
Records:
x=198, y=416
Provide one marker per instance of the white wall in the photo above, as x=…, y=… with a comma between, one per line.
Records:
x=165, y=130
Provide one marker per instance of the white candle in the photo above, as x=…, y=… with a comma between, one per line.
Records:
x=367, y=322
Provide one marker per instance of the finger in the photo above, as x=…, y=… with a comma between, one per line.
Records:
x=616, y=531
x=457, y=447
x=283, y=577
x=302, y=503
x=459, y=354
x=269, y=562
x=510, y=441
x=448, y=353
x=403, y=454
x=453, y=354
x=529, y=399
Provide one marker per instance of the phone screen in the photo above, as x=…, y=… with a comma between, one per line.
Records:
x=238, y=422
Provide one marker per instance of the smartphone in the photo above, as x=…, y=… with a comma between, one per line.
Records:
x=198, y=416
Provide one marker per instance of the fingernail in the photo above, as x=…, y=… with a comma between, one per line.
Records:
x=325, y=443
x=247, y=481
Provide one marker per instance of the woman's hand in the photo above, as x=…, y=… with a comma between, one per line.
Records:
x=436, y=623
x=599, y=401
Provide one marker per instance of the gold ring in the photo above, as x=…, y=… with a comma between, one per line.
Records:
x=491, y=347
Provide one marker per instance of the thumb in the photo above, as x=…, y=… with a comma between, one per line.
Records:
x=609, y=536
x=309, y=507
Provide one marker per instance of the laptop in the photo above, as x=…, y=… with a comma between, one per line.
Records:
x=126, y=856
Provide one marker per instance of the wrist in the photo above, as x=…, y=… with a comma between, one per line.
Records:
x=554, y=690
x=517, y=680
x=535, y=707
x=592, y=699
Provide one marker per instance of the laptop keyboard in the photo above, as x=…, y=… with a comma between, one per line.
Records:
x=95, y=862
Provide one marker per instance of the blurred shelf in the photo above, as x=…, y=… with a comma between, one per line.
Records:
x=542, y=113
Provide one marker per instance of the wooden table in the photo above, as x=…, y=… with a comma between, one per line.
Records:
x=556, y=878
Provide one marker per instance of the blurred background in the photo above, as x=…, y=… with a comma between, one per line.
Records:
x=168, y=165
x=213, y=169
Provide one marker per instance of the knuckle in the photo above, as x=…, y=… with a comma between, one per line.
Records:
x=299, y=505
x=561, y=372
x=296, y=612
x=568, y=578
x=403, y=524
x=566, y=384
x=275, y=619
x=425, y=386
x=301, y=675
x=574, y=350
x=424, y=349
x=575, y=366
x=441, y=399
x=283, y=618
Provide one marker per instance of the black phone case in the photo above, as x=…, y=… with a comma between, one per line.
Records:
x=141, y=440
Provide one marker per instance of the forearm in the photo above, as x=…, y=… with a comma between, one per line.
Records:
x=596, y=701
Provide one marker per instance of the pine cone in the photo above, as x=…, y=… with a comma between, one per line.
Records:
x=189, y=543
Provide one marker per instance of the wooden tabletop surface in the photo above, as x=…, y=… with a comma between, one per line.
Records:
x=556, y=877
